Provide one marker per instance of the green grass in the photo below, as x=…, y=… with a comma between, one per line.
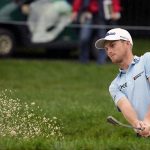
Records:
x=78, y=95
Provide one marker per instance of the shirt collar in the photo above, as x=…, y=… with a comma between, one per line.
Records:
x=134, y=61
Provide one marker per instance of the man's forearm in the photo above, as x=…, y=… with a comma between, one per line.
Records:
x=147, y=117
x=128, y=111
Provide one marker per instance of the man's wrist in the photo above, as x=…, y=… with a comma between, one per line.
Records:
x=136, y=123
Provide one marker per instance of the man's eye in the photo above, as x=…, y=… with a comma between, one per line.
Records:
x=112, y=45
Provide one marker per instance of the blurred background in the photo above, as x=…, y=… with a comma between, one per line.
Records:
x=41, y=28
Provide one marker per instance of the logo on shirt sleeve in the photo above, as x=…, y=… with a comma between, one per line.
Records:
x=123, y=86
x=138, y=75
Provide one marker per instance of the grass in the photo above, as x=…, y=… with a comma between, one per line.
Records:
x=78, y=95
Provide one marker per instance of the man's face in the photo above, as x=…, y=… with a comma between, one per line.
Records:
x=116, y=50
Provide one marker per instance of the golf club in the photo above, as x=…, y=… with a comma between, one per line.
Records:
x=114, y=121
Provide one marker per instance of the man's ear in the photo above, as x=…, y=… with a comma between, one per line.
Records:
x=128, y=42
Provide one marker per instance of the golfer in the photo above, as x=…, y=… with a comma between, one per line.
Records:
x=130, y=89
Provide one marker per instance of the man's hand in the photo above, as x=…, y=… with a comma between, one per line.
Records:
x=115, y=16
x=74, y=16
x=25, y=9
x=139, y=124
x=145, y=128
x=146, y=121
x=146, y=131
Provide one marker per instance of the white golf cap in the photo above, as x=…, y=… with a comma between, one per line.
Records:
x=113, y=35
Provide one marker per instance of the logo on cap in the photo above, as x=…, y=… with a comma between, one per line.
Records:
x=124, y=37
x=111, y=33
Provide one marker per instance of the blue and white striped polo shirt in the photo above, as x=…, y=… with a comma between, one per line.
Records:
x=134, y=85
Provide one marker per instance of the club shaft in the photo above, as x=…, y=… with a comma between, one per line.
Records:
x=114, y=121
x=129, y=126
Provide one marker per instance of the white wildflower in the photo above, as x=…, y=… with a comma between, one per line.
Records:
x=54, y=117
x=20, y=120
x=13, y=133
x=33, y=103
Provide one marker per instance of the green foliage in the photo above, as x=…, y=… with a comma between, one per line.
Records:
x=141, y=46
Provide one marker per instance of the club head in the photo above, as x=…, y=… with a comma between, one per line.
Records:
x=112, y=120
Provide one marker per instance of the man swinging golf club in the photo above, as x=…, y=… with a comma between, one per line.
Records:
x=130, y=89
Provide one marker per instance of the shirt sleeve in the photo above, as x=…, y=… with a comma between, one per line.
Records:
x=115, y=93
x=147, y=64
x=116, y=5
x=76, y=5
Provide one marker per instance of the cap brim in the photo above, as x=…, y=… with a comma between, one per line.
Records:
x=99, y=44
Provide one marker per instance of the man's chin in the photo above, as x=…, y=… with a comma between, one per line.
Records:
x=114, y=61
